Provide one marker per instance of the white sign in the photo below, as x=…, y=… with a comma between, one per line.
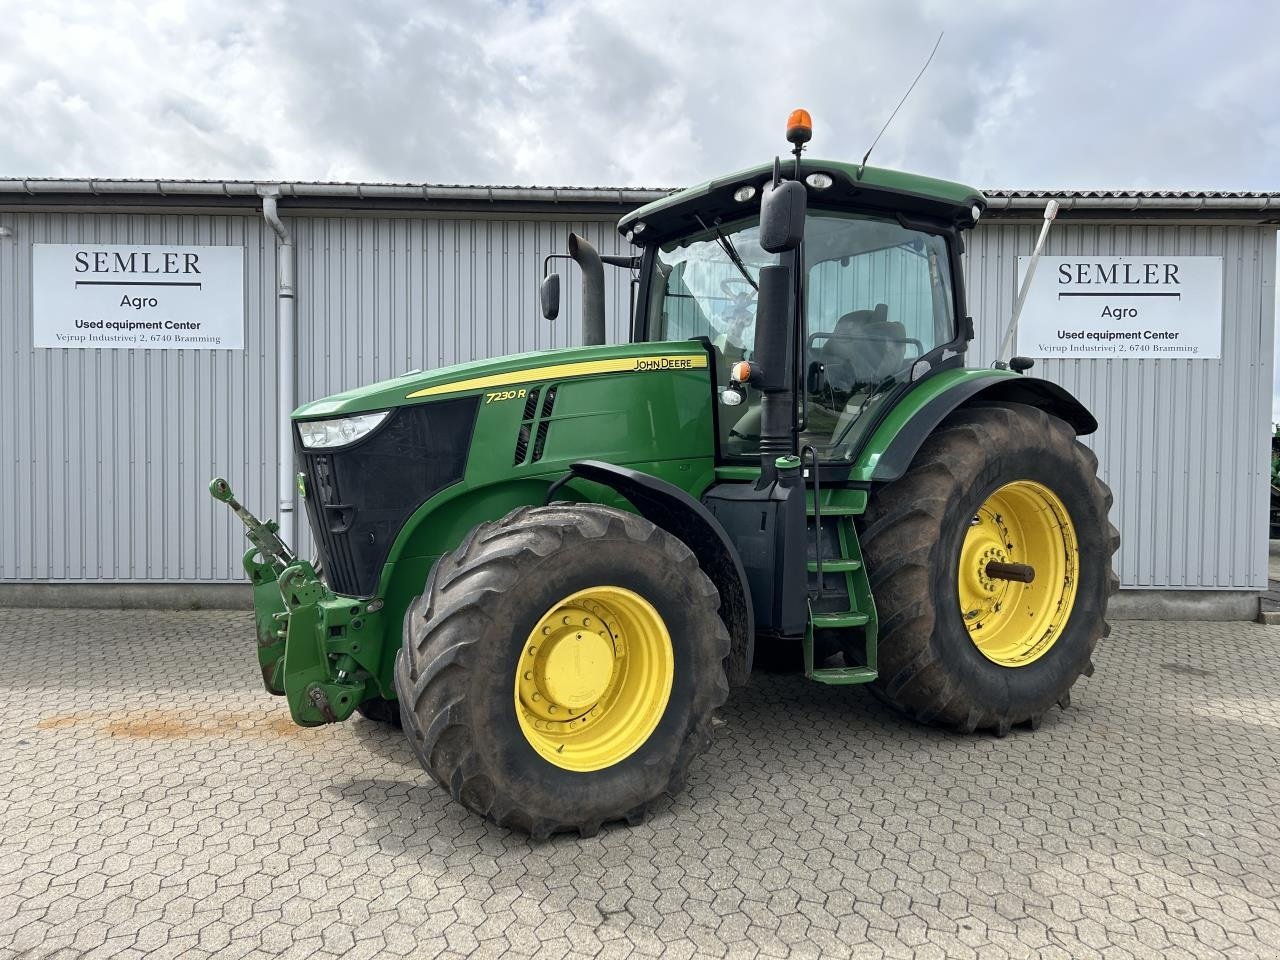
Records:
x=1119, y=307
x=141, y=297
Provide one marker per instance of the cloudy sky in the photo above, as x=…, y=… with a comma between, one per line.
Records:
x=640, y=92
x=650, y=93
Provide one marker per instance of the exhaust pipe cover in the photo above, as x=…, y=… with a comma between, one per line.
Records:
x=593, y=329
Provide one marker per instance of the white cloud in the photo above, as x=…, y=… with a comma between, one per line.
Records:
x=619, y=93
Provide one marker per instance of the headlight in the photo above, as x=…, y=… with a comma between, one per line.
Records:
x=340, y=432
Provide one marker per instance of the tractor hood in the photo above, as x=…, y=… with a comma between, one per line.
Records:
x=502, y=372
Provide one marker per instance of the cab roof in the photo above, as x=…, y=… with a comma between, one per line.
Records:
x=872, y=188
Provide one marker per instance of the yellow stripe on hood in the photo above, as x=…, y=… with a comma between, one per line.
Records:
x=560, y=371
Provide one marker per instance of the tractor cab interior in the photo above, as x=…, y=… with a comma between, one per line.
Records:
x=877, y=298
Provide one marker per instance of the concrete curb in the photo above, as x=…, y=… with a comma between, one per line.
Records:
x=128, y=596
x=1126, y=605
x=1183, y=605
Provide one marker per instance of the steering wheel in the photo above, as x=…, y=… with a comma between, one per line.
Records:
x=740, y=291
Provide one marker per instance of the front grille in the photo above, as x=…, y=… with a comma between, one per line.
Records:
x=359, y=497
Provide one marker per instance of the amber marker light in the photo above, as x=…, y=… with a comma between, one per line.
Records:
x=799, y=127
x=741, y=372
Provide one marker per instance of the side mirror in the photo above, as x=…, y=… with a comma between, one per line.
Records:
x=549, y=293
x=782, y=208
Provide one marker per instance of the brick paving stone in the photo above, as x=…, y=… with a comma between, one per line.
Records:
x=156, y=802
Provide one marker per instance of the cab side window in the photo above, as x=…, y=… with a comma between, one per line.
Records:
x=877, y=299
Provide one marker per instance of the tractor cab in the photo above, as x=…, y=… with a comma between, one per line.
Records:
x=878, y=309
x=875, y=293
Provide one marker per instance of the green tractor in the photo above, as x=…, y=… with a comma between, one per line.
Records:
x=552, y=568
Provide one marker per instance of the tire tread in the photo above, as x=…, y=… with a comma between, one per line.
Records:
x=432, y=672
x=898, y=535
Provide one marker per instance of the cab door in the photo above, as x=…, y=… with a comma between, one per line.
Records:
x=879, y=311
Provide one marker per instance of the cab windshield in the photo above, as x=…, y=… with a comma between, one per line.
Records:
x=877, y=298
x=705, y=286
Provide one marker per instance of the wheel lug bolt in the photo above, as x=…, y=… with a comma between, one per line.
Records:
x=532, y=651
x=551, y=709
x=528, y=675
x=537, y=697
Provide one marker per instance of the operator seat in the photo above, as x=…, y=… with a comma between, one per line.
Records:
x=865, y=347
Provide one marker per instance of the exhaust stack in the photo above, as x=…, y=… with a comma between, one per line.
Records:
x=592, y=290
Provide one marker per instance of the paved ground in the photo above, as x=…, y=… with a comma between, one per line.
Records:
x=154, y=801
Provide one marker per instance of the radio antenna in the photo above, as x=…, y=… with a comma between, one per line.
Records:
x=862, y=166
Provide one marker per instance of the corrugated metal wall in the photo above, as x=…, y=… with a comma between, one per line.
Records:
x=104, y=454
x=1183, y=443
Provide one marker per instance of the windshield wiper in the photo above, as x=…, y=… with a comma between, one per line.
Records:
x=727, y=246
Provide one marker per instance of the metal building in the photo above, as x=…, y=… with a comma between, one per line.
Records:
x=106, y=453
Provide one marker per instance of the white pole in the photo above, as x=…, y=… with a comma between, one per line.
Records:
x=285, y=365
x=1006, y=345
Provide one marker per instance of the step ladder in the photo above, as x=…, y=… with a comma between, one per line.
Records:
x=859, y=608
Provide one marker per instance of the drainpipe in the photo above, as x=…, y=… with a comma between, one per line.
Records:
x=285, y=364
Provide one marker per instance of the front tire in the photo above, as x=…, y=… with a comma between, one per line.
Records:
x=1005, y=484
x=561, y=668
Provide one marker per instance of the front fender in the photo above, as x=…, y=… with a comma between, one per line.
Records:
x=667, y=506
x=442, y=522
x=895, y=442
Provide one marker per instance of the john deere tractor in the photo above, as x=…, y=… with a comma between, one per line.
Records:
x=552, y=568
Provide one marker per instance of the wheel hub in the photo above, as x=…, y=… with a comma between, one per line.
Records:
x=573, y=664
x=1024, y=528
x=593, y=678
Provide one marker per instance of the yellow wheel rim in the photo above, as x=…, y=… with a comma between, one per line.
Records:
x=1011, y=622
x=594, y=678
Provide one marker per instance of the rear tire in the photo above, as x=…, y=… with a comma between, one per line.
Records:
x=912, y=535
x=463, y=673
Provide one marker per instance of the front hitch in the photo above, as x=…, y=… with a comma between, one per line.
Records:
x=264, y=536
x=263, y=562
x=316, y=648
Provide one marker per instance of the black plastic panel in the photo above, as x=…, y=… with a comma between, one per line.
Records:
x=359, y=497
x=767, y=527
